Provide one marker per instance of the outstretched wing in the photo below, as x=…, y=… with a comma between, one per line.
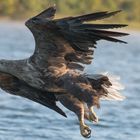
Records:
x=67, y=43
x=15, y=86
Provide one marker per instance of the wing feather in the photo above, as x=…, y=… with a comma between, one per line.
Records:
x=73, y=41
x=48, y=13
x=93, y=16
x=99, y=26
x=15, y=86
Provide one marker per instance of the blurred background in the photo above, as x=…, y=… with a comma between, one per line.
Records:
x=21, y=9
x=21, y=119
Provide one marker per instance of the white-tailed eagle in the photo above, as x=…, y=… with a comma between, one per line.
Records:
x=55, y=71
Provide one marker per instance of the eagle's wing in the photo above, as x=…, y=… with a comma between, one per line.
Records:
x=15, y=86
x=69, y=42
x=48, y=13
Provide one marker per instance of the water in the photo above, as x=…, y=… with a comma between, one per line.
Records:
x=21, y=119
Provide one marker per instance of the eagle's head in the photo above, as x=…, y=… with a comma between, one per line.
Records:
x=40, y=21
x=36, y=23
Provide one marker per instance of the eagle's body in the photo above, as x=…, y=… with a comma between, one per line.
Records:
x=54, y=72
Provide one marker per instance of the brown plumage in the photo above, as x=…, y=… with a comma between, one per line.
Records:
x=15, y=86
x=54, y=72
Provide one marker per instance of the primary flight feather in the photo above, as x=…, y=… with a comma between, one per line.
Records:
x=55, y=70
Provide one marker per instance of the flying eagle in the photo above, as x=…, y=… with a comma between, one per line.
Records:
x=55, y=71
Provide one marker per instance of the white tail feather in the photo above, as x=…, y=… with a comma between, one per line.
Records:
x=113, y=91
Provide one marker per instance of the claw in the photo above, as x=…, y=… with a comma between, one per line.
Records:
x=85, y=131
x=93, y=116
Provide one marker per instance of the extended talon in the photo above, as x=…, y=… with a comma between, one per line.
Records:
x=85, y=131
x=93, y=117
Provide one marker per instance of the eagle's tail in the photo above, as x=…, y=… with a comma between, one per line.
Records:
x=107, y=85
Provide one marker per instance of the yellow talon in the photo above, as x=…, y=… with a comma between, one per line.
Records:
x=92, y=115
x=85, y=130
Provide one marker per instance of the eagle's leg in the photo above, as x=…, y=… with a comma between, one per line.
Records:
x=92, y=115
x=85, y=130
x=77, y=107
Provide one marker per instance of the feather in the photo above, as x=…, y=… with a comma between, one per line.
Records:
x=106, y=33
x=99, y=26
x=113, y=93
x=95, y=16
x=15, y=86
x=47, y=102
x=48, y=13
x=77, y=66
x=105, y=86
x=99, y=36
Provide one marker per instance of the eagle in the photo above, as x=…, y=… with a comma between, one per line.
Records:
x=55, y=71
